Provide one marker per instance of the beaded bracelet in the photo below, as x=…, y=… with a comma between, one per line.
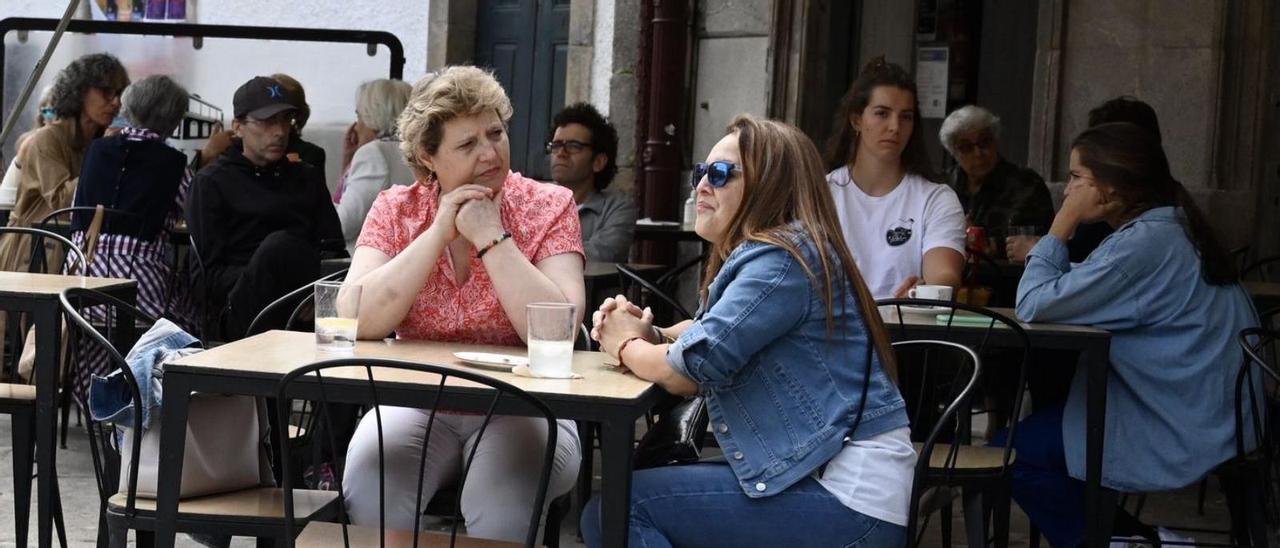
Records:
x=496, y=241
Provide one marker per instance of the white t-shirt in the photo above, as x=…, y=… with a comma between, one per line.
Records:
x=889, y=235
x=873, y=476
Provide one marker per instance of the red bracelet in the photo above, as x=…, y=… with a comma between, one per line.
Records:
x=623, y=346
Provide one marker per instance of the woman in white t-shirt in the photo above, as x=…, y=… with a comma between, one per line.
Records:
x=903, y=229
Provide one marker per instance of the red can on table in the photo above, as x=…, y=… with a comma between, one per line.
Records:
x=976, y=240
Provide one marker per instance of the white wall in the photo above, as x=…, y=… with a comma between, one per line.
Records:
x=330, y=73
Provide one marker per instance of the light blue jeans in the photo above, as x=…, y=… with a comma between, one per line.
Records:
x=703, y=505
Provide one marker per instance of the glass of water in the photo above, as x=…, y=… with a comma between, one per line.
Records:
x=552, y=329
x=337, y=314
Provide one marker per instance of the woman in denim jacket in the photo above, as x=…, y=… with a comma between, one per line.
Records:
x=1169, y=295
x=791, y=354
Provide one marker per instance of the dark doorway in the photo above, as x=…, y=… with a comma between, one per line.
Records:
x=526, y=43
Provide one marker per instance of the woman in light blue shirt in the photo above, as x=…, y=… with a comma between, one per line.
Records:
x=1166, y=290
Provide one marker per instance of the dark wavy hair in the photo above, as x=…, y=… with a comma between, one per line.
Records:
x=1129, y=159
x=842, y=146
x=96, y=70
x=604, y=138
x=1126, y=108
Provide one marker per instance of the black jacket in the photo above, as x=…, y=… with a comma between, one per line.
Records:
x=234, y=204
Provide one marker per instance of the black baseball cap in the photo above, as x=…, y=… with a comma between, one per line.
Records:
x=261, y=98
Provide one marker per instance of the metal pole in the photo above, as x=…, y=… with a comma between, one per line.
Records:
x=36, y=73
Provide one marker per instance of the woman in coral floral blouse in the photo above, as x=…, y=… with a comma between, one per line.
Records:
x=456, y=257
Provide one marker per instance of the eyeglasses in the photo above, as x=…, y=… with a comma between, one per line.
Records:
x=984, y=142
x=109, y=93
x=274, y=121
x=570, y=146
x=717, y=173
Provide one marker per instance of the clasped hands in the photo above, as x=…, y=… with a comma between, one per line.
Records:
x=470, y=211
x=619, y=319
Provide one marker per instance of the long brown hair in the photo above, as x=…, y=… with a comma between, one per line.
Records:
x=842, y=146
x=1130, y=160
x=784, y=183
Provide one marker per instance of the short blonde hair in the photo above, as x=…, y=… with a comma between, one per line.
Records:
x=379, y=104
x=454, y=92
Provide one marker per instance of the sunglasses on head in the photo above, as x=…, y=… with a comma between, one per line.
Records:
x=717, y=173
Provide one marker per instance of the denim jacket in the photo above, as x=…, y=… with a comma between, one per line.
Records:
x=1174, y=355
x=109, y=398
x=781, y=393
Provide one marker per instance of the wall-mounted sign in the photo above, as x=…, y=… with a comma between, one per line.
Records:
x=931, y=80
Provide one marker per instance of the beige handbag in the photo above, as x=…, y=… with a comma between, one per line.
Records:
x=224, y=450
x=27, y=360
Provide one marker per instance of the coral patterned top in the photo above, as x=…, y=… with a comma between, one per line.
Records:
x=542, y=220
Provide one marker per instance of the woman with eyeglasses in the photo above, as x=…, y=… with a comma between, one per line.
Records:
x=791, y=354
x=902, y=226
x=456, y=257
x=1170, y=296
x=85, y=99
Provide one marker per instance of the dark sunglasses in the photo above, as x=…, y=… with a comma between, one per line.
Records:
x=717, y=173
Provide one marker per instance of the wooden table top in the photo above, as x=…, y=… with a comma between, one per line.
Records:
x=1266, y=290
x=23, y=283
x=275, y=353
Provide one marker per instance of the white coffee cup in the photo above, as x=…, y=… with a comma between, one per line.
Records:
x=930, y=292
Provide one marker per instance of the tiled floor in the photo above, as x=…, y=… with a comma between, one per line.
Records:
x=80, y=500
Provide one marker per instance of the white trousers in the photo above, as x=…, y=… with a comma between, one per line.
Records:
x=500, y=486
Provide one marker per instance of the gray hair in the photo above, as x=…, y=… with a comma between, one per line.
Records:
x=379, y=104
x=156, y=103
x=967, y=119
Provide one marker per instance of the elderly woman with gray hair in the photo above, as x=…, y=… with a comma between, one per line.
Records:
x=995, y=193
x=372, y=158
x=135, y=171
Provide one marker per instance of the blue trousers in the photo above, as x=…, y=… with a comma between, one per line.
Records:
x=1051, y=498
x=703, y=505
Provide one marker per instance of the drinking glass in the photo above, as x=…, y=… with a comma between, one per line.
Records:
x=551, y=332
x=337, y=315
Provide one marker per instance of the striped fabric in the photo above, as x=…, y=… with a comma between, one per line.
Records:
x=160, y=292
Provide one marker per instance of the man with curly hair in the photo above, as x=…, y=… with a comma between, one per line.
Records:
x=583, y=151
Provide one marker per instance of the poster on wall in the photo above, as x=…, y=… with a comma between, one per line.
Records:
x=175, y=11
x=931, y=81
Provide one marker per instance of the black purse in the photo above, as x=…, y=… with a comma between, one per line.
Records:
x=677, y=435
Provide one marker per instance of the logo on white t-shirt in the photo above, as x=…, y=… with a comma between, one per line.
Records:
x=899, y=233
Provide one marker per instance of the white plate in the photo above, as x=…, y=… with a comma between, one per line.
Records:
x=498, y=362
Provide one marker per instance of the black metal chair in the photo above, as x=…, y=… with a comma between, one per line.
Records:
x=1249, y=480
x=669, y=308
x=41, y=243
x=937, y=462
x=983, y=473
x=320, y=383
x=256, y=512
x=114, y=221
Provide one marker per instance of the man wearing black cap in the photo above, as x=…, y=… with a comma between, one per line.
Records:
x=258, y=219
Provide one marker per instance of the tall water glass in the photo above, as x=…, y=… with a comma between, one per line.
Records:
x=337, y=316
x=551, y=332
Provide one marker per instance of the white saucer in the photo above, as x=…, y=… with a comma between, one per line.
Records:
x=918, y=310
x=497, y=362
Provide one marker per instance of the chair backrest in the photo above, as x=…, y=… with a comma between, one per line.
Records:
x=650, y=289
x=1266, y=269
x=1258, y=371
x=95, y=319
x=963, y=367
x=668, y=278
x=973, y=326
x=317, y=382
x=73, y=258
x=114, y=221
x=289, y=311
